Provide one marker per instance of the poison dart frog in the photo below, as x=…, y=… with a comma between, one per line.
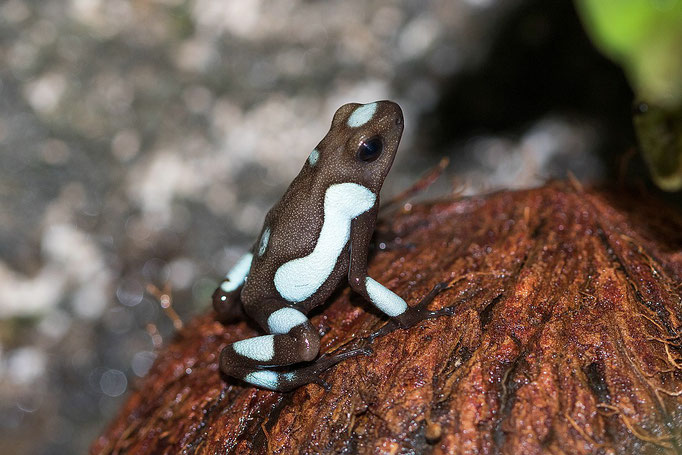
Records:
x=318, y=234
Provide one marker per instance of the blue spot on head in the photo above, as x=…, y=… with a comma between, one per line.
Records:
x=362, y=115
x=313, y=157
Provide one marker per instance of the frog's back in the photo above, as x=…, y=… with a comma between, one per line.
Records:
x=291, y=231
x=315, y=236
x=302, y=252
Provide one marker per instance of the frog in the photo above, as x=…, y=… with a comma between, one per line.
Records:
x=314, y=238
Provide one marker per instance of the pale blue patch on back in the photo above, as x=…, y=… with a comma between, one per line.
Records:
x=362, y=115
x=264, y=239
x=260, y=348
x=313, y=157
x=383, y=298
x=263, y=378
x=284, y=319
x=300, y=278
x=238, y=274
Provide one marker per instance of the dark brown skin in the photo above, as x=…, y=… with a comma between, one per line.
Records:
x=298, y=216
x=349, y=168
x=566, y=340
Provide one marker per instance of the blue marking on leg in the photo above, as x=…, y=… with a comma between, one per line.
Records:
x=238, y=274
x=383, y=298
x=263, y=378
x=362, y=115
x=261, y=349
x=285, y=319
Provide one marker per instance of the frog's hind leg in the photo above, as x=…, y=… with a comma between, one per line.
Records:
x=292, y=339
x=284, y=381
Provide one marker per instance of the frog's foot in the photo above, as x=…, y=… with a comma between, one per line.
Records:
x=416, y=314
x=420, y=311
x=312, y=372
x=228, y=306
x=285, y=381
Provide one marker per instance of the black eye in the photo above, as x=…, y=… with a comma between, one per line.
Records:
x=370, y=149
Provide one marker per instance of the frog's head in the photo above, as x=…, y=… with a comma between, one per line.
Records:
x=361, y=144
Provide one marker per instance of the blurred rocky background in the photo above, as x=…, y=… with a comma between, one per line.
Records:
x=142, y=142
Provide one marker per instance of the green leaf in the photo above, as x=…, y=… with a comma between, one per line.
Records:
x=645, y=38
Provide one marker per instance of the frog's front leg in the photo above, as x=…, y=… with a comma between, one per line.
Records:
x=226, y=296
x=292, y=339
x=384, y=299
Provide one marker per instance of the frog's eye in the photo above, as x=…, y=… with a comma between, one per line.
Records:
x=370, y=149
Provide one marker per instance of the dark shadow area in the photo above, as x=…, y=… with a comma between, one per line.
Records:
x=541, y=62
x=653, y=213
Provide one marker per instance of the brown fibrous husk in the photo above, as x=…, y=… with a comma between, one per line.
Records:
x=567, y=338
